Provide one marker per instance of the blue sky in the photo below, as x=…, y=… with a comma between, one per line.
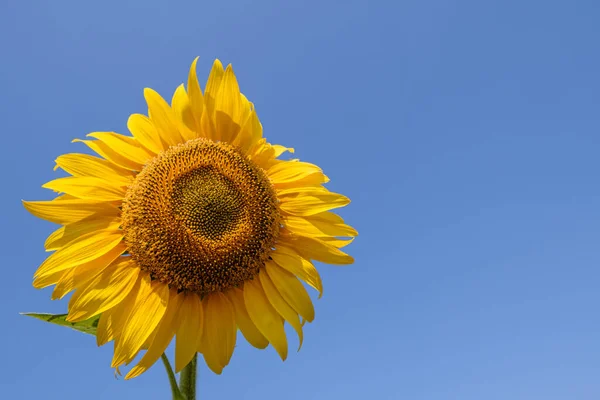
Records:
x=465, y=132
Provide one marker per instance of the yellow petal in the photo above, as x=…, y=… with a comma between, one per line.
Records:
x=64, y=197
x=219, y=332
x=208, y=127
x=262, y=153
x=125, y=146
x=148, y=309
x=75, y=277
x=319, y=250
x=247, y=327
x=228, y=107
x=86, y=165
x=291, y=290
x=226, y=128
x=144, y=131
x=297, y=191
x=53, y=279
x=279, y=149
x=213, y=85
x=313, y=202
x=69, y=211
x=315, y=179
x=104, y=291
x=162, y=117
x=228, y=97
x=88, y=188
x=189, y=330
x=85, y=249
x=247, y=108
x=65, y=234
x=243, y=139
x=291, y=261
x=250, y=134
x=162, y=338
x=322, y=224
x=196, y=100
x=112, y=320
x=150, y=338
x=282, y=307
x=335, y=242
x=110, y=154
x=291, y=171
x=50, y=279
x=184, y=117
x=265, y=317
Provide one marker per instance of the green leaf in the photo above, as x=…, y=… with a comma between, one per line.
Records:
x=88, y=326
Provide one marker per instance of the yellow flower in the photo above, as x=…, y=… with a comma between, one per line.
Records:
x=190, y=228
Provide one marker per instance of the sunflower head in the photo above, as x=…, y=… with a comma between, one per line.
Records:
x=192, y=228
x=200, y=217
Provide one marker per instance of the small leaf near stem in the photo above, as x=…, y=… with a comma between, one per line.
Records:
x=88, y=326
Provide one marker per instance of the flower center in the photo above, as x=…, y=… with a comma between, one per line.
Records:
x=200, y=217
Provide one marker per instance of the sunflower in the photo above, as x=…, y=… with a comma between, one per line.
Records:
x=191, y=228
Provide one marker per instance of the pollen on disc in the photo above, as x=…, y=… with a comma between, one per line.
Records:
x=201, y=217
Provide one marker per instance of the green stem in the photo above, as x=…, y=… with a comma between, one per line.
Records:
x=187, y=380
x=174, y=389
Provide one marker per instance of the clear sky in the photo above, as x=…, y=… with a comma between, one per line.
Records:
x=466, y=134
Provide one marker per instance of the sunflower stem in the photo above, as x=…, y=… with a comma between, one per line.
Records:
x=187, y=380
x=174, y=388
